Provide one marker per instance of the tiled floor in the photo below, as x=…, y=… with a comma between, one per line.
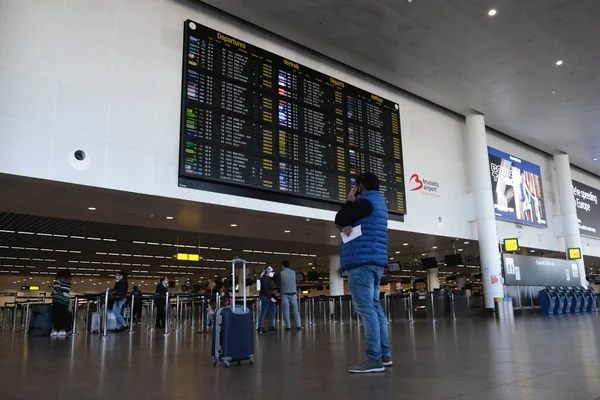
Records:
x=534, y=358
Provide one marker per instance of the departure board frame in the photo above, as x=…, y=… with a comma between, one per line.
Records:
x=249, y=115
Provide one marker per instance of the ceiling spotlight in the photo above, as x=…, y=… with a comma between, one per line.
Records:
x=460, y=249
x=559, y=62
x=391, y=258
x=169, y=217
x=398, y=252
x=492, y=12
x=405, y=244
x=595, y=158
x=554, y=92
x=92, y=208
x=233, y=225
x=287, y=231
x=533, y=251
x=466, y=242
x=332, y=236
x=435, y=247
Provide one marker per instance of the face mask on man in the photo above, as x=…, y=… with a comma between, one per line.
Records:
x=117, y=278
x=271, y=274
x=166, y=283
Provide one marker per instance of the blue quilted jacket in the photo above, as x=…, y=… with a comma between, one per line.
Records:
x=371, y=247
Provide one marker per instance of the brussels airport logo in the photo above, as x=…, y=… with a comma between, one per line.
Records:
x=424, y=186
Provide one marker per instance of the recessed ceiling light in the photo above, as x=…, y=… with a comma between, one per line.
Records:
x=169, y=217
x=391, y=258
x=559, y=62
x=332, y=236
x=423, y=254
x=492, y=12
x=92, y=208
x=466, y=242
x=554, y=92
x=405, y=244
x=435, y=247
x=595, y=158
x=233, y=225
x=287, y=231
x=533, y=251
x=398, y=252
x=460, y=249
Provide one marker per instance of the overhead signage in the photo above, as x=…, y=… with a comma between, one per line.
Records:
x=574, y=253
x=588, y=211
x=254, y=123
x=517, y=189
x=30, y=288
x=188, y=257
x=511, y=245
x=539, y=271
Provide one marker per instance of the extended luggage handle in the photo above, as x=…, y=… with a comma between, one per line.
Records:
x=243, y=262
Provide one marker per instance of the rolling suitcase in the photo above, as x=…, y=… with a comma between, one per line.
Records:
x=233, y=334
x=41, y=320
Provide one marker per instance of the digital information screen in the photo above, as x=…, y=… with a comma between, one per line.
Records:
x=252, y=118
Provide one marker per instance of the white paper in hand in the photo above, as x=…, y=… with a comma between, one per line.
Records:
x=356, y=232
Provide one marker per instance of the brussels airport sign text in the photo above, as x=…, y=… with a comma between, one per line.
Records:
x=588, y=212
x=424, y=186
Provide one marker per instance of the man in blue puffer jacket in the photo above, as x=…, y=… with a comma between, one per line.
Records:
x=365, y=258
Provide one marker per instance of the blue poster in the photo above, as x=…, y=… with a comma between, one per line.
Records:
x=517, y=189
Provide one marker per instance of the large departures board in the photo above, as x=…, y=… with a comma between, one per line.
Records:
x=253, y=119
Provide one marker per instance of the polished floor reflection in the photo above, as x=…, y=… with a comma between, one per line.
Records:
x=533, y=358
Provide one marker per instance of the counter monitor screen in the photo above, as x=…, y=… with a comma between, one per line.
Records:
x=299, y=277
x=394, y=267
x=253, y=123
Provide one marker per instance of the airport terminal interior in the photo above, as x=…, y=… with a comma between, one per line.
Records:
x=162, y=163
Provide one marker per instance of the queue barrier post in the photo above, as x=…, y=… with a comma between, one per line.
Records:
x=75, y=312
x=105, y=315
x=167, y=314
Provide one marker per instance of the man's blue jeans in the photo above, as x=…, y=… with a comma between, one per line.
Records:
x=363, y=283
x=117, y=307
x=265, y=305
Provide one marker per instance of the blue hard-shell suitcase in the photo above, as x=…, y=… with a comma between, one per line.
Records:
x=233, y=334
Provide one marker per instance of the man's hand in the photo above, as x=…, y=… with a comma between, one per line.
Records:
x=352, y=194
x=347, y=230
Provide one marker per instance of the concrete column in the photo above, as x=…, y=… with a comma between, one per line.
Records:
x=461, y=281
x=433, y=279
x=478, y=170
x=568, y=208
x=393, y=287
x=336, y=282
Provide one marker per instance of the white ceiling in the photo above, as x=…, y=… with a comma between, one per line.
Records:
x=452, y=53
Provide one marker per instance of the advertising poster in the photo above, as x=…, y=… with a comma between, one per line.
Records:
x=517, y=189
x=588, y=211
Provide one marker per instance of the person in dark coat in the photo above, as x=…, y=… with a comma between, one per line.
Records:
x=120, y=293
x=160, y=301
x=267, y=299
x=136, y=296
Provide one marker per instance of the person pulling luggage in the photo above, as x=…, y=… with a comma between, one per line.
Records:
x=267, y=299
x=120, y=292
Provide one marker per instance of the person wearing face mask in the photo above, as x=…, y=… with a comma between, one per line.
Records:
x=120, y=292
x=364, y=258
x=161, y=301
x=267, y=299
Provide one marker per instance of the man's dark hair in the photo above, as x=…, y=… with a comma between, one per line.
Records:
x=135, y=288
x=285, y=264
x=369, y=181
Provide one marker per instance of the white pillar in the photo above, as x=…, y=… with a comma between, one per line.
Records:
x=336, y=282
x=461, y=281
x=433, y=279
x=568, y=208
x=478, y=169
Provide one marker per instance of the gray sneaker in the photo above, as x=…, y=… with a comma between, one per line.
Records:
x=387, y=361
x=367, y=366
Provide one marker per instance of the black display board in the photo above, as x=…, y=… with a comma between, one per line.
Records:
x=253, y=119
x=539, y=271
x=588, y=211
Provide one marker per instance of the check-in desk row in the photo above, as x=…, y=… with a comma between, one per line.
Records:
x=567, y=300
